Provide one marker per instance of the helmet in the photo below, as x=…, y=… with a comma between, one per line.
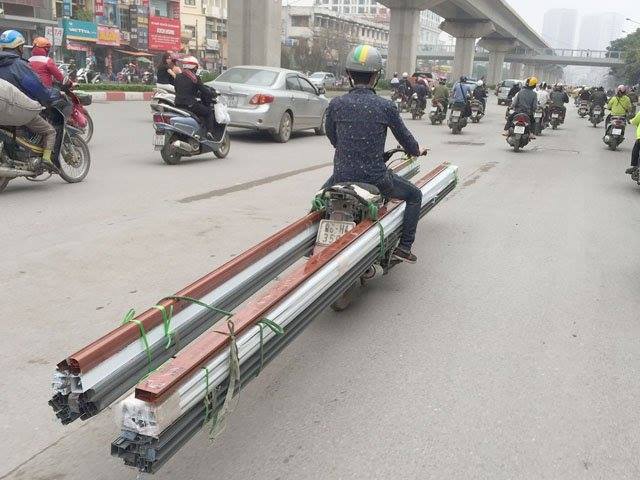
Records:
x=531, y=82
x=190, y=63
x=395, y=74
x=622, y=89
x=42, y=42
x=11, y=39
x=405, y=75
x=365, y=59
x=480, y=83
x=463, y=79
x=442, y=81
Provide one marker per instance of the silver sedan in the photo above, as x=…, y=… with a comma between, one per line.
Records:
x=273, y=99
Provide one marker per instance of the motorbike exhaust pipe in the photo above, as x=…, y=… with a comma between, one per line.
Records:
x=14, y=173
x=180, y=145
x=374, y=271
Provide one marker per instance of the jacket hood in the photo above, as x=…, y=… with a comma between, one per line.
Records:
x=38, y=52
x=7, y=58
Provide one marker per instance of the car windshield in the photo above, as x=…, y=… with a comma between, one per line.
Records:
x=249, y=76
x=317, y=75
x=508, y=83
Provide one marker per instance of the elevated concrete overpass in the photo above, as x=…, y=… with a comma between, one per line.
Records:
x=254, y=32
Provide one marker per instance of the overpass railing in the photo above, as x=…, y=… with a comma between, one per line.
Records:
x=569, y=53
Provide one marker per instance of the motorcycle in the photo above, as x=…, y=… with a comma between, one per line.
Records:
x=557, y=117
x=417, y=109
x=538, y=121
x=437, y=115
x=510, y=111
x=87, y=75
x=179, y=133
x=80, y=118
x=596, y=116
x=614, y=135
x=347, y=205
x=148, y=77
x=477, y=111
x=21, y=155
x=583, y=109
x=456, y=119
x=520, y=132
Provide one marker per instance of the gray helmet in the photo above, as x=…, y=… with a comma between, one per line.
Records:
x=364, y=58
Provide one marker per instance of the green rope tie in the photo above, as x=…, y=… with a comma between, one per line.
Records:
x=166, y=322
x=383, y=242
x=275, y=328
x=130, y=318
x=373, y=212
x=318, y=203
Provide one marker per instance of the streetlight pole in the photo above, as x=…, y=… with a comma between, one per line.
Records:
x=632, y=21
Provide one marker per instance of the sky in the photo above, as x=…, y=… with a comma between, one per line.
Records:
x=533, y=10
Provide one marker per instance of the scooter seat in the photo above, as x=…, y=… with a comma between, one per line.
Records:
x=364, y=191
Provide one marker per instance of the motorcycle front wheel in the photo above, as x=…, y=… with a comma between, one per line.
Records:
x=75, y=159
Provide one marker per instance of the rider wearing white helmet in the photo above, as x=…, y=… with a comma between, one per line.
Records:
x=188, y=87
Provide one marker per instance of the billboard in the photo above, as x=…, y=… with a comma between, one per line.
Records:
x=164, y=34
x=108, y=36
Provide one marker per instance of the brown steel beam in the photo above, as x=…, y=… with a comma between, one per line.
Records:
x=170, y=376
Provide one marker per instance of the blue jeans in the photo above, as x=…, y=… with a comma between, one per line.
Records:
x=394, y=186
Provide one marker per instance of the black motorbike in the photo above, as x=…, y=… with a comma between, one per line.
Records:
x=520, y=132
x=21, y=154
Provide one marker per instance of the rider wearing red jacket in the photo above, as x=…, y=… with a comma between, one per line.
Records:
x=43, y=64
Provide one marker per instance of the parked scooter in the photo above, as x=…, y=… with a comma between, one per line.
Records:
x=87, y=75
x=417, y=108
x=148, y=77
x=457, y=121
x=477, y=110
x=21, y=155
x=596, y=116
x=614, y=135
x=437, y=115
x=179, y=133
x=520, y=132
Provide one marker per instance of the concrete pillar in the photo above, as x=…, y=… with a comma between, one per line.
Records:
x=404, y=33
x=538, y=71
x=254, y=32
x=528, y=71
x=466, y=33
x=498, y=49
x=515, y=71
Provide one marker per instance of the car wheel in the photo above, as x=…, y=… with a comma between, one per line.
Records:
x=283, y=134
x=322, y=129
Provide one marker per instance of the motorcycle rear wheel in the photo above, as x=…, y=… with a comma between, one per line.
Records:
x=4, y=181
x=78, y=153
x=170, y=155
x=225, y=147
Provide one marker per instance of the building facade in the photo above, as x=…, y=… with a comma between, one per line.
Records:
x=599, y=30
x=559, y=27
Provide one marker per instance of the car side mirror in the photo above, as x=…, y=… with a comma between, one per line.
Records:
x=322, y=90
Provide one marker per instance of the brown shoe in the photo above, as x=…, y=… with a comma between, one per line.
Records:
x=404, y=256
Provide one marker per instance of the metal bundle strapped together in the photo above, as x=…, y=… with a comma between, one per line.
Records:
x=89, y=380
x=169, y=406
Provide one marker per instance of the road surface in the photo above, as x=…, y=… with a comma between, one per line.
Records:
x=511, y=350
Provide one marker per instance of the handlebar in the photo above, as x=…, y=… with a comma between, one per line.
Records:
x=390, y=153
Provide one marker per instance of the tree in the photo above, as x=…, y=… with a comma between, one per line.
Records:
x=630, y=48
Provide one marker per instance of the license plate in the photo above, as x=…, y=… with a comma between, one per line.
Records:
x=332, y=230
x=616, y=131
x=158, y=140
x=231, y=101
x=597, y=112
x=518, y=129
x=555, y=115
x=537, y=115
x=455, y=114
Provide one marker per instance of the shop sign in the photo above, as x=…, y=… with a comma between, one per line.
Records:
x=58, y=33
x=99, y=7
x=79, y=30
x=108, y=36
x=48, y=33
x=139, y=27
x=164, y=34
x=77, y=46
x=66, y=8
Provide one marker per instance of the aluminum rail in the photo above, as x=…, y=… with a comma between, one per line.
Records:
x=90, y=380
x=148, y=453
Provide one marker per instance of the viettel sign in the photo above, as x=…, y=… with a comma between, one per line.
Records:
x=79, y=30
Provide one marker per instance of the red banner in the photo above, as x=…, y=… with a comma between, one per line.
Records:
x=98, y=6
x=164, y=34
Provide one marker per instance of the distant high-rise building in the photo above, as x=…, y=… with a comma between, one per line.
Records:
x=597, y=31
x=363, y=7
x=559, y=27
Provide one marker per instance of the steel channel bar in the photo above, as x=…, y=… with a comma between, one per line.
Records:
x=116, y=381
x=165, y=380
x=189, y=423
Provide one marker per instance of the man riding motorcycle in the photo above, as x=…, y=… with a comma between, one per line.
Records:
x=188, y=86
x=558, y=98
x=356, y=125
x=395, y=82
x=620, y=104
x=422, y=90
x=17, y=72
x=460, y=96
x=525, y=102
x=480, y=94
x=441, y=95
